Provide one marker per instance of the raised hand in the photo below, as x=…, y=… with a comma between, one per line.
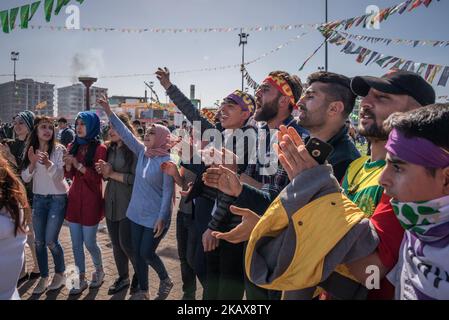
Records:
x=292, y=152
x=163, y=75
x=104, y=103
x=223, y=179
x=44, y=159
x=32, y=156
x=243, y=231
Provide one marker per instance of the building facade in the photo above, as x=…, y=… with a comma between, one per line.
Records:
x=26, y=94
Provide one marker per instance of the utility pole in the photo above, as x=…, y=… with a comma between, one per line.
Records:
x=243, y=41
x=325, y=48
x=14, y=58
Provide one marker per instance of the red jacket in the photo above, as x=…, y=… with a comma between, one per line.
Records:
x=85, y=199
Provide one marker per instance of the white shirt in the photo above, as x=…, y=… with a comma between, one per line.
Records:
x=49, y=181
x=11, y=256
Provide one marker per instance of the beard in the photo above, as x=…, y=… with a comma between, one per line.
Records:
x=373, y=131
x=268, y=111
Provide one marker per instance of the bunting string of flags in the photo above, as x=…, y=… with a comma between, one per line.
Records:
x=217, y=68
x=26, y=13
x=312, y=55
x=443, y=98
x=286, y=27
x=367, y=56
x=250, y=81
x=388, y=41
x=370, y=19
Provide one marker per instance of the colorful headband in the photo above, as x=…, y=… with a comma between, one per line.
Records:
x=416, y=150
x=282, y=86
x=243, y=99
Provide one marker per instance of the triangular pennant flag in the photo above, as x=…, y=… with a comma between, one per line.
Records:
x=24, y=15
x=34, y=7
x=429, y=70
x=80, y=1
x=444, y=77
x=434, y=73
x=12, y=17
x=390, y=62
x=398, y=64
x=380, y=62
x=4, y=18
x=60, y=4
x=426, y=2
x=404, y=6
x=415, y=5
x=48, y=9
x=421, y=68
x=374, y=54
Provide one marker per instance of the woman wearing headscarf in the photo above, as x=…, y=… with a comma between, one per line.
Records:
x=150, y=207
x=85, y=207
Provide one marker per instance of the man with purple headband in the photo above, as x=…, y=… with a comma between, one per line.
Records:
x=418, y=150
x=222, y=273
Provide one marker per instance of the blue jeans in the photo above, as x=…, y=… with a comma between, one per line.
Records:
x=144, y=250
x=48, y=217
x=85, y=235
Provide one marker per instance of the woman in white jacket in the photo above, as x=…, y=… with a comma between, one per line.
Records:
x=43, y=163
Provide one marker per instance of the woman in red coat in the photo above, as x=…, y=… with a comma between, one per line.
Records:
x=85, y=207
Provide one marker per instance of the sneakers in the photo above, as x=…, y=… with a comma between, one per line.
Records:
x=164, y=289
x=134, y=285
x=57, y=282
x=97, y=279
x=119, y=284
x=141, y=295
x=41, y=286
x=75, y=291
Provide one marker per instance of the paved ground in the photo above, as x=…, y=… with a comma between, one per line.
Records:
x=167, y=250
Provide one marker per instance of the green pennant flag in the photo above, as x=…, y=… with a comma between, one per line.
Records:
x=12, y=17
x=80, y=1
x=48, y=8
x=4, y=20
x=34, y=8
x=24, y=14
x=60, y=4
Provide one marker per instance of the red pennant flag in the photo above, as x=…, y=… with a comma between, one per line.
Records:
x=427, y=2
x=415, y=5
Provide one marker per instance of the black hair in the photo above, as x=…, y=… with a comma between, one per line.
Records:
x=337, y=88
x=62, y=119
x=430, y=122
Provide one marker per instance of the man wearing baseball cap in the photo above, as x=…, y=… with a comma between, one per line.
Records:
x=396, y=91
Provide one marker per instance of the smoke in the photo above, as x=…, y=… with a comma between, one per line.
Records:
x=87, y=64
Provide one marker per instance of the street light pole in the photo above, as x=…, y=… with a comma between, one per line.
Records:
x=14, y=58
x=243, y=41
x=325, y=48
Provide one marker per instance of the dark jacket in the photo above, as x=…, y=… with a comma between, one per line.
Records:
x=343, y=154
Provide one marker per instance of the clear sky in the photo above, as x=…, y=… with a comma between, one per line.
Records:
x=44, y=52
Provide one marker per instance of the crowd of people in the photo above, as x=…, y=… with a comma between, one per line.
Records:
x=259, y=216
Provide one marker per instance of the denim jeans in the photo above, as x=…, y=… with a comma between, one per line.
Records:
x=85, y=235
x=144, y=249
x=48, y=216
